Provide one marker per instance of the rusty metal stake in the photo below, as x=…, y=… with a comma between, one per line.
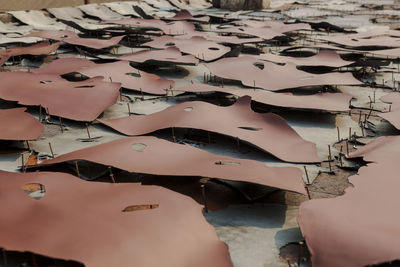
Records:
x=330, y=158
x=51, y=150
x=308, y=192
x=141, y=92
x=111, y=174
x=203, y=192
x=338, y=134
x=48, y=113
x=347, y=147
x=23, y=162
x=129, y=109
x=40, y=113
x=77, y=169
x=369, y=114
x=87, y=130
x=355, y=140
x=173, y=134
x=61, y=126
x=329, y=148
x=308, y=179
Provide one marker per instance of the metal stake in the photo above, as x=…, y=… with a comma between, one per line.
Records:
x=111, y=174
x=61, y=126
x=129, y=109
x=23, y=163
x=203, y=192
x=173, y=134
x=51, y=150
x=308, y=180
x=308, y=192
x=338, y=134
x=77, y=169
x=87, y=130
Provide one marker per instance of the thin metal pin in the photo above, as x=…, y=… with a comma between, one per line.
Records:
x=40, y=113
x=369, y=114
x=87, y=130
x=51, y=150
x=308, y=179
x=338, y=134
x=111, y=174
x=203, y=192
x=61, y=126
x=141, y=92
x=23, y=162
x=48, y=113
x=173, y=134
x=77, y=169
x=330, y=158
x=355, y=139
x=330, y=155
x=308, y=192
